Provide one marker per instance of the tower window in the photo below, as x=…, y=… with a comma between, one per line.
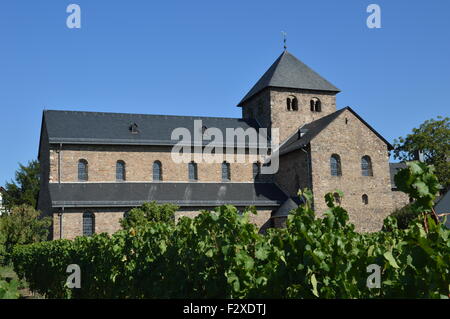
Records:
x=120, y=171
x=335, y=165
x=365, y=199
x=157, y=171
x=83, y=170
x=315, y=105
x=88, y=224
x=366, y=166
x=192, y=171
x=226, y=176
x=292, y=103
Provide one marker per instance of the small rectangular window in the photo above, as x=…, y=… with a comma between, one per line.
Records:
x=225, y=172
x=192, y=167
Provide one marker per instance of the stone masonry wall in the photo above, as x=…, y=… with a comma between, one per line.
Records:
x=269, y=108
x=348, y=137
x=293, y=173
x=44, y=202
x=139, y=162
x=107, y=220
x=400, y=199
x=258, y=108
x=288, y=122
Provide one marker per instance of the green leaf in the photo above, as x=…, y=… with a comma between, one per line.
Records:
x=209, y=253
x=314, y=284
x=261, y=253
x=370, y=250
x=390, y=259
x=163, y=246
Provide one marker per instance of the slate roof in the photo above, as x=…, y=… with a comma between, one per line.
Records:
x=182, y=194
x=114, y=128
x=289, y=72
x=393, y=169
x=308, y=131
x=285, y=208
x=443, y=207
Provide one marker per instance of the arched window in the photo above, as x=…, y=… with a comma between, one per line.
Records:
x=318, y=106
x=366, y=166
x=88, y=224
x=120, y=171
x=83, y=170
x=335, y=165
x=256, y=170
x=226, y=174
x=294, y=104
x=157, y=171
x=337, y=198
x=365, y=199
x=192, y=170
x=315, y=105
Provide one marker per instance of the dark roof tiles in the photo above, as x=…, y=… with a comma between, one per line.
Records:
x=131, y=194
x=289, y=72
x=115, y=128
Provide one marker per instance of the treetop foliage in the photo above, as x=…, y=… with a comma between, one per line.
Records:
x=25, y=187
x=433, y=139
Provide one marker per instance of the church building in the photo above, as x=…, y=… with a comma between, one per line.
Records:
x=97, y=166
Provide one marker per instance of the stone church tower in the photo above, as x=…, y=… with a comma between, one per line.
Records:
x=322, y=148
x=288, y=96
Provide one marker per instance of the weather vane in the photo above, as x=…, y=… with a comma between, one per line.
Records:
x=284, y=39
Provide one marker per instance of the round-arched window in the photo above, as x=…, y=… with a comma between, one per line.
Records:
x=365, y=199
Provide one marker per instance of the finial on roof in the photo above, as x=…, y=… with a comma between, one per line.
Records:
x=284, y=39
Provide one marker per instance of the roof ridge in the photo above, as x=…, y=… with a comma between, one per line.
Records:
x=142, y=114
x=309, y=134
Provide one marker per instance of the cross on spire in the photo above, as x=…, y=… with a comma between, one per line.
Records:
x=284, y=39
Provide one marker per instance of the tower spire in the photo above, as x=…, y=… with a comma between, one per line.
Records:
x=284, y=39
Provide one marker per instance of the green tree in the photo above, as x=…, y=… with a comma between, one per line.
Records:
x=433, y=139
x=23, y=225
x=2, y=245
x=25, y=188
x=149, y=212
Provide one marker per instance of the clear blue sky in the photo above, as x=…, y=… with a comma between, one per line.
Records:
x=201, y=57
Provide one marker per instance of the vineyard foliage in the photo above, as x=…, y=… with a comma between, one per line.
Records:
x=219, y=254
x=9, y=290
